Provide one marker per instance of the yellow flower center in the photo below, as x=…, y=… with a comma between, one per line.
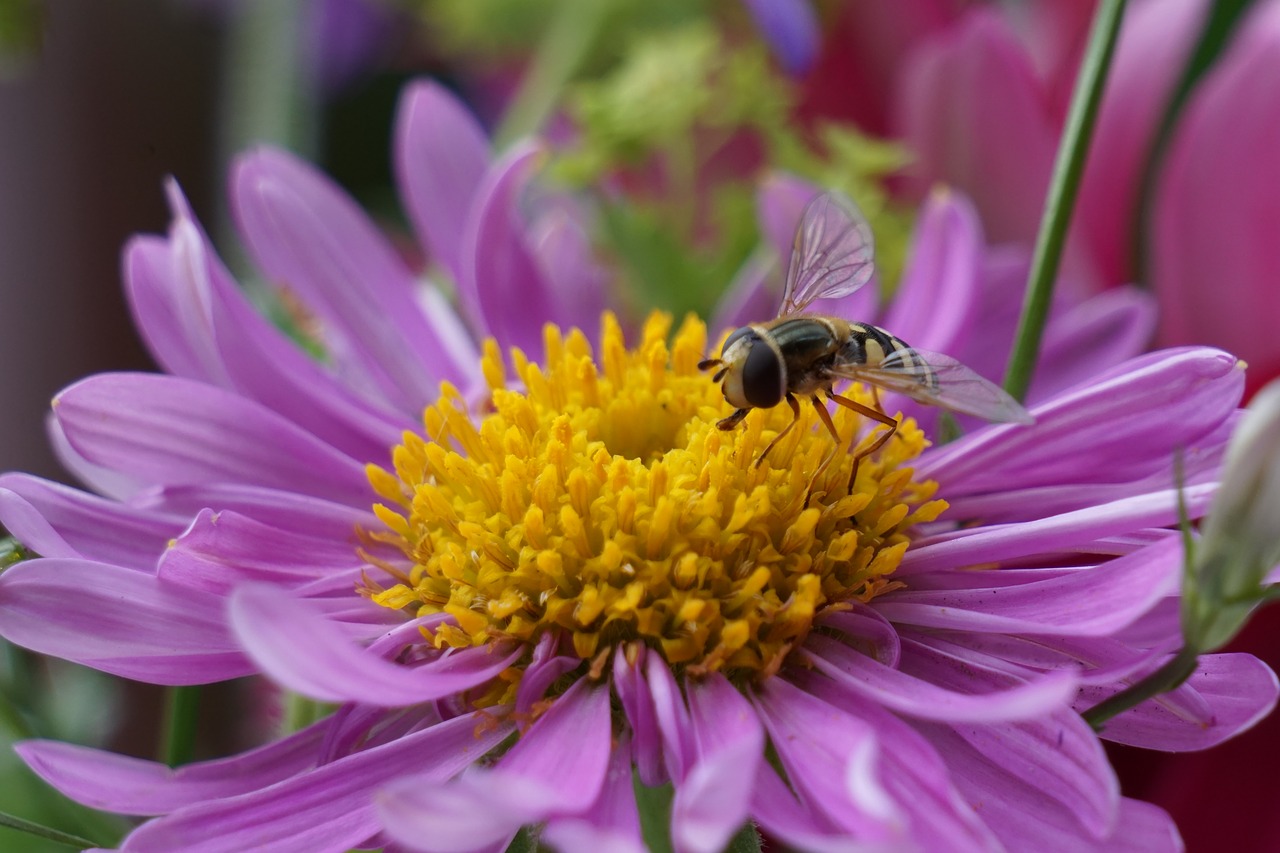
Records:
x=602, y=502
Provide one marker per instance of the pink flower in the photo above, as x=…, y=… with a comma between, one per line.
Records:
x=523, y=580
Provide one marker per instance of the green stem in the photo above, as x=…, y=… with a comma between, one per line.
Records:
x=45, y=832
x=1177, y=670
x=1063, y=187
x=181, y=709
x=267, y=95
x=568, y=40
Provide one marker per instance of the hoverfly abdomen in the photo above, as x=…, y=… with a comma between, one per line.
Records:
x=872, y=346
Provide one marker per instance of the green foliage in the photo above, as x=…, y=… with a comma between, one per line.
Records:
x=21, y=32
x=44, y=698
x=688, y=120
x=488, y=30
x=12, y=551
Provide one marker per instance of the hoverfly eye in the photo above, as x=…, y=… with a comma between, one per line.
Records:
x=737, y=335
x=762, y=381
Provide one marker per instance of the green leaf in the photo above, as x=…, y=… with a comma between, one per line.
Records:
x=745, y=840
x=526, y=841
x=655, y=814
x=182, y=708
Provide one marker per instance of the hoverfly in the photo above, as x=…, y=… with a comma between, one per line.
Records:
x=802, y=355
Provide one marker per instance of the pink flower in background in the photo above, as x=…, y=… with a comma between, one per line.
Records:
x=1216, y=219
x=980, y=113
x=982, y=110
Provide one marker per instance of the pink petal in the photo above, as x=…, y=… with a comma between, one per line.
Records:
x=57, y=521
x=1054, y=751
x=561, y=243
x=255, y=358
x=972, y=111
x=1238, y=690
x=936, y=300
x=542, y=671
x=309, y=236
x=981, y=700
x=913, y=771
x=178, y=432
x=1155, y=41
x=501, y=284
x=118, y=783
x=865, y=50
x=612, y=824
x=1095, y=601
x=672, y=716
x=557, y=768
x=637, y=704
x=223, y=549
x=1100, y=432
x=124, y=622
x=711, y=802
x=441, y=154
x=1024, y=819
x=101, y=479
x=310, y=655
x=866, y=630
x=747, y=298
x=833, y=760
x=283, y=508
x=998, y=543
x=178, y=337
x=329, y=808
x=1082, y=342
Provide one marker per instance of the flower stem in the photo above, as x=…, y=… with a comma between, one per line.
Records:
x=1175, y=671
x=45, y=832
x=181, y=709
x=569, y=36
x=1063, y=188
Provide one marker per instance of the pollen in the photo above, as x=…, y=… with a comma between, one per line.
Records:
x=593, y=495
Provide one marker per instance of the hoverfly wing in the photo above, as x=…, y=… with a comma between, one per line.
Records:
x=940, y=380
x=832, y=255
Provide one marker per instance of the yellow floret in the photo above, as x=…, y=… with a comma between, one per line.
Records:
x=597, y=498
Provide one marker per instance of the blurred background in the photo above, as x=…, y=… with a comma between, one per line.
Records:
x=683, y=105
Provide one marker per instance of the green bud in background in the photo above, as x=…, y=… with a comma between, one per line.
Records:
x=1240, y=541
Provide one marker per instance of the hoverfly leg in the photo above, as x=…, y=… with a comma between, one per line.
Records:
x=733, y=420
x=825, y=417
x=795, y=408
x=875, y=415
